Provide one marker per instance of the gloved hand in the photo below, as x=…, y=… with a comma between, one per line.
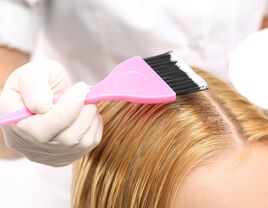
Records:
x=59, y=133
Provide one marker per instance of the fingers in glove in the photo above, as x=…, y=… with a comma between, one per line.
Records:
x=93, y=137
x=39, y=81
x=79, y=127
x=10, y=101
x=89, y=142
x=36, y=83
x=35, y=91
x=44, y=127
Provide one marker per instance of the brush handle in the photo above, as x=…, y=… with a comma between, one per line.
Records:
x=16, y=116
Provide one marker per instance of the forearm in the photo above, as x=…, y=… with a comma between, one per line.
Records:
x=264, y=22
x=10, y=59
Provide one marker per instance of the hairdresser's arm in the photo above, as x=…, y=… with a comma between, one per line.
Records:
x=10, y=59
x=264, y=22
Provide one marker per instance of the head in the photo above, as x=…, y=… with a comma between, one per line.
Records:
x=200, y=151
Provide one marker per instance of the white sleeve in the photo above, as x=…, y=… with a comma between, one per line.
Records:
x=18, y=24
x=266, y=8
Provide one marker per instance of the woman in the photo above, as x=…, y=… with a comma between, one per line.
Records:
x=207, y=149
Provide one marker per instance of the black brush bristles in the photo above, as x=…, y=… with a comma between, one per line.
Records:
x=178, y=75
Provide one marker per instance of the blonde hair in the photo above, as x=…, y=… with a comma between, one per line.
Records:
x=147, y=150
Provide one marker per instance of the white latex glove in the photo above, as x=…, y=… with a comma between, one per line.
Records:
x=58, y=134
x=248, y=68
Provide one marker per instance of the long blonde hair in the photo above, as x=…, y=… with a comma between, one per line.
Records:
x=147, y=150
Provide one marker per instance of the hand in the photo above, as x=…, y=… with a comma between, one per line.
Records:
x=59, y=133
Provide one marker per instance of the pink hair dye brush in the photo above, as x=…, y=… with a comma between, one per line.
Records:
x=157, y=79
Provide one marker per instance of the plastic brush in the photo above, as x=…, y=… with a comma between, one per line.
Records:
x=157, y=79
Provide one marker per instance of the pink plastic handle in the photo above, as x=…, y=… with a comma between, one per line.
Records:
x=15, y=117
x=133, y=81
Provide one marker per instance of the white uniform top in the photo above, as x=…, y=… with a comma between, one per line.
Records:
x=91, y=37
